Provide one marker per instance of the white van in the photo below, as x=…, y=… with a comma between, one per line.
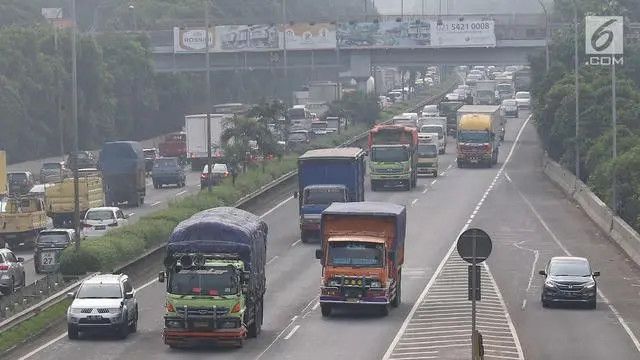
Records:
x=440, y=138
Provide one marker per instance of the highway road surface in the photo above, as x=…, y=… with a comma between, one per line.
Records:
x=529, y=220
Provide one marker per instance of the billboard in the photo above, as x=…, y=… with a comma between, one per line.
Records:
x=465, y=33
x=309, y=36
x=415, y=34
x=604, y=35
x=246, y=38
x=191, y=40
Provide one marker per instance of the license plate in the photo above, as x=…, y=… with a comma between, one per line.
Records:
x=474, y=161
x=352, y=300
x=47, y=258
x=100, y=227
x=569, y=294
x=201, y=324
x=94, y=317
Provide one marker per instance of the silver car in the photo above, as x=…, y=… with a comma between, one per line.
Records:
x=103, y=302
x=11, y=271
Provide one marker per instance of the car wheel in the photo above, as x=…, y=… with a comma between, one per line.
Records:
x=123, y=332
x=593, y=304
x=9, y=290
x=24, y=279
x=134, y=326
x=72, y=332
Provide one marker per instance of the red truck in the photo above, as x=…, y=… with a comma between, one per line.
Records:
x=362, y=255
x=174, y=145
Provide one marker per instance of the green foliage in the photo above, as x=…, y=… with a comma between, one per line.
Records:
x=553, y=96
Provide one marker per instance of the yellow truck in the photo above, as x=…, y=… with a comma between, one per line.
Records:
x=21, y=219
x=478, y=139
x=59, y=199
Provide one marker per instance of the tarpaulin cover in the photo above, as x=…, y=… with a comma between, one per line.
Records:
x=221, y=230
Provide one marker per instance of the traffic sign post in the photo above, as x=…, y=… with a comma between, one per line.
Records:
x=474, y=246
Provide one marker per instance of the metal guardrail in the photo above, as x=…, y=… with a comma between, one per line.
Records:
x=28, y=312
x=26, y=296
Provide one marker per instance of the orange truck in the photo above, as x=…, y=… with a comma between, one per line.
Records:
x=362, y=255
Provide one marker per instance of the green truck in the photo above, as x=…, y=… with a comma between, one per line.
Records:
x=392, y=156
x=215, y=278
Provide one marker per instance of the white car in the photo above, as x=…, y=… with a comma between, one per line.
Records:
x=97, y=221
x=430, y=110
x=453, y=97
x=523, y=98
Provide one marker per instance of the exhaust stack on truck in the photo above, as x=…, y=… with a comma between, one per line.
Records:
x=362, y=255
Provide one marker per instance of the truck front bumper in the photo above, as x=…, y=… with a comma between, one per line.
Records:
x=333, y=295
x=178, y=331
x=390, y=177
x=474, y=159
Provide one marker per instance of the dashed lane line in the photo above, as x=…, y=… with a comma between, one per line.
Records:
x=425, y=303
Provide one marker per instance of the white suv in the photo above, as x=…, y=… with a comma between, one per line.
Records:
x=103, y=302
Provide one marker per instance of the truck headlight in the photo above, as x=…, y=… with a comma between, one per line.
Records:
x=173, y=324
x=376, y=284
x=333, y=283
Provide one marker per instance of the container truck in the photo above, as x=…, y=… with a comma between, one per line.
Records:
x=123, y=172
x=392, y=156
x=196, y=139
x=59, y=199
x=326, y=176
x=478, y=135
x=174, y=145
x=362, y=255
x=215, y=278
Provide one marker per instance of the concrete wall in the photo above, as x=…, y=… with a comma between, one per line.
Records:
x=617, y=229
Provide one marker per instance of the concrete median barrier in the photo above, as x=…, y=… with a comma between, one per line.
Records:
x=617, y=229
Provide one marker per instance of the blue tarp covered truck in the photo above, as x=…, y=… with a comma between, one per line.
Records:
x=215, y=277
x=123, y=172
x=326, y=176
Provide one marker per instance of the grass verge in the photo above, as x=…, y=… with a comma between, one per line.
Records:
x=32, y=327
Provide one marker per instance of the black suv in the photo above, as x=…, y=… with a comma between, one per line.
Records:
x=167, y=170
x=569, y=279
x=85, y=160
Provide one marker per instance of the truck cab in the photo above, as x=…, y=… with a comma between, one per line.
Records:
x=440, y=139
x=23, y=217
x=392, y=156
x=362, y=255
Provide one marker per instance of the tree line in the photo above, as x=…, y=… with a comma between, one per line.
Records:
x=553, y=95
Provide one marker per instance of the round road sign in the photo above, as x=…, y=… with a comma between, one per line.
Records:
x=474, y=237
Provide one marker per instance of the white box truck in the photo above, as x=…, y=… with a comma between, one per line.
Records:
x=196, y=129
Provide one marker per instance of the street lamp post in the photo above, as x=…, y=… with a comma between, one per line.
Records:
x=208, y=92
x=74, y=116
x=577, y=90
x=132, y=7
x=546, y=34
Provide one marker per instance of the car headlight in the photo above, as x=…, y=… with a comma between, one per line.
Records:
x=74, y=310
x=115, y=310
x=590, y=285
x=549, y=284
x=376, y=284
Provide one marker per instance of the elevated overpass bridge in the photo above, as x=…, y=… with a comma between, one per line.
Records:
x=353, y=48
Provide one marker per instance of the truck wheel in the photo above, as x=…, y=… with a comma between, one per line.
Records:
x=155, y=185
x=408, y=186
x=135, y=201
x=57, y=222
x=141, y=200
x=414, y=181
x=325, y=309
x=254, y=328
x=374, y=186
x=384, y=310
x=304, y=236
x=398, y=298
x=460, y=164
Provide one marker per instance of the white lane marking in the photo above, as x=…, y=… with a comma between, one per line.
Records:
x=293, y=331
x=536, y=255
x=181, y=193
x=156, y=203
x=64, y=334
x=132, y=214
x=449, y=167
x=272, y=260
x=613, y=309
x=524, y=304
x=315, y=306
x=296, y=243
x=425, y=190
x=276, y=207
x=424, y=293
x=414, y=201
x=507, y=176
x=434, y=181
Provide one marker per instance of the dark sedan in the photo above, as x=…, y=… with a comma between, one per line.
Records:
x=569, y=280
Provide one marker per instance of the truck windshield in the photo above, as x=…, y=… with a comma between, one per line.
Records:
x=474, y=137
x=323, y=196
x=427, y=150
x=432, y=129
x=355, y=254
x=210, y=282
x=404, y=122
x=389, y=154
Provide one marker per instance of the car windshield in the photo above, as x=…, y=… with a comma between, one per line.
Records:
x=355, y=254
x=522, y=95
x=427, y=150
x=99, y=215
x=217, y=281
x=323, y=196
x=473, y=136
x=569, y=268
x=51, y=166
x=100, y=291
x=54, y=237
x=164, y=163
x=509, y=103
x=296, y=113
x=17, y=177
x=389, y=154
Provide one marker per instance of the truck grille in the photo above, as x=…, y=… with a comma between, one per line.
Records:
x=388, y=171
x=208, y=312
x=472, y=150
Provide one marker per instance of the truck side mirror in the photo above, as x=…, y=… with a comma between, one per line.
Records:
x=161, y=276
x=245, y=276
x=318, y=254
x=295, y=194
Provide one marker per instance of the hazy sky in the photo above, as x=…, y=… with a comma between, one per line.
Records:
x=392, y=7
